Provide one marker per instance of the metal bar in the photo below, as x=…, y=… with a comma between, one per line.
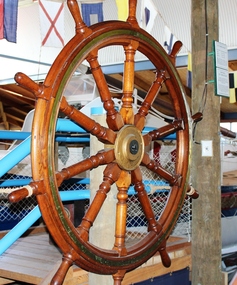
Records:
x=15, y=156
x=33, y=216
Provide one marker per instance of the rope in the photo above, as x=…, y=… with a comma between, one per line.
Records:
x=8, y=190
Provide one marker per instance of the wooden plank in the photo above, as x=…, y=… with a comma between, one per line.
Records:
x=37, y=239
x=229, y=178
x=80, y=275
x=43, y=256
x=225, y=278
x=4, y=281
x=24, y=245
x=4, y=117
x=33, y=253
x=13, y=273
x=29, y=259
x=44, y=245
x=33, y=275
x=25, y=265
x=42, y=239
x=31, y=231
x=46, y=280
x=68, y=278
x=34, y=249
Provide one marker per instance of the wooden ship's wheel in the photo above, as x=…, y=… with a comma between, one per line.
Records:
x=124, y=152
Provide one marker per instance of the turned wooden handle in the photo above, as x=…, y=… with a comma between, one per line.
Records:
x=74, y=9
x=176, y=48
x=24, y=192
x=197, y=117
x=62, y=271
x=27, y=83
x=18, y=195
x=132, y=8
x=191, y=192
x=166, y=261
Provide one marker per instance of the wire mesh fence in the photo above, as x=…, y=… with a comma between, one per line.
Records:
x=12, y=213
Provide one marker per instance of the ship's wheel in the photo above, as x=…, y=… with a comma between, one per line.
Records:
x=125, y=150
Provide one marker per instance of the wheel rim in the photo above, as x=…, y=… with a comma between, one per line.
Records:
x=72, y=241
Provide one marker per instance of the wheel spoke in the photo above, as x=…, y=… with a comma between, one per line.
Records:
x=101, y=158
x=163, y=173
x=149, y=99
x=128, y=83
x=164, y=131
x=145, y=201
x=103, y=134
x=81, y=27
x=114, y=118
x=172, y=92
x=111, y=175
x=123, y=184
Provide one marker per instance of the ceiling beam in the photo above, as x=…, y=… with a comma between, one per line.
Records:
x=18, y=97
x=16, y=102
x=14, y=118
x=3, y=116
x=17, y=90
x=13, y=112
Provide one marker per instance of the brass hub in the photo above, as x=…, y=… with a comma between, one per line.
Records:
x=129, y=148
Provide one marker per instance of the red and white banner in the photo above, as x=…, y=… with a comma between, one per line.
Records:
x=52, y=23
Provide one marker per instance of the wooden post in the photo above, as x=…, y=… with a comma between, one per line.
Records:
x=102, y=232
x=205, y=171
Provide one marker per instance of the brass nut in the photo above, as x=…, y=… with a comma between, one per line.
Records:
x=129, y=148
